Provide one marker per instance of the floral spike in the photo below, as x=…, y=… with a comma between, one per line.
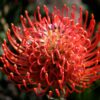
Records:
x=57, y=92
x=47, y=13
x=11, y=75
x=55, y=54
x=16, y=31
x=73, y=12
x=24, y=83
x=80, y=18
x=86, y=19
x=39, y=15
x=28, y=18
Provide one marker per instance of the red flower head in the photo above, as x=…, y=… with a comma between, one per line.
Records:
x=54, y=54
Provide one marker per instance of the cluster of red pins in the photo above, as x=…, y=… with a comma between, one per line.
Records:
x=54, y=54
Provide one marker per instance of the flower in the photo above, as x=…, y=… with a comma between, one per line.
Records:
x=54, y=54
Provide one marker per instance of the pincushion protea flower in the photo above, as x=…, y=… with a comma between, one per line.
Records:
x=54, y=54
